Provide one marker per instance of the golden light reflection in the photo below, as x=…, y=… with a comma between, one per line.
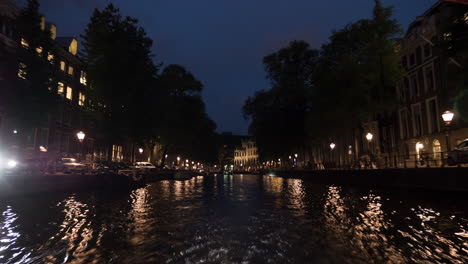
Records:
x=296, y=195
x=140, y=214
x=75, y=230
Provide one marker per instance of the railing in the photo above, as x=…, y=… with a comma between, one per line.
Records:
x=388, y=161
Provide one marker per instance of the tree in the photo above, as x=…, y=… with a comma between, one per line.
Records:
x=121, y=72
x=316, y=96
x=185, y=128
x=453, y=43
x=278, y=115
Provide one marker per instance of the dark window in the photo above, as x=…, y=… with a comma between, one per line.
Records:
x=405, y=87
x=433, y=116
x=414, y=86
x=418, y=55
x=412, y=60
x=404, y=61
x=429, y=79
x=427, y=50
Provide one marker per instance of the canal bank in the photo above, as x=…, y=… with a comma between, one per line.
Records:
x=25, y=184
x=440, y=179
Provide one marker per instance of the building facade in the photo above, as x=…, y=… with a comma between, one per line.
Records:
x=246, y=155
x=428, y=90
x=56, y=134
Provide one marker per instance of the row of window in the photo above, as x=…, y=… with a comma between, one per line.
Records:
x=414, y=119
x=245, y=153
x=412, y=86
x=69, y=93
x=63, y=67
x=417, y=57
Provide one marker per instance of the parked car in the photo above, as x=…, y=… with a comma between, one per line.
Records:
x=145, y=166
x=70, y=165
x=459, y=155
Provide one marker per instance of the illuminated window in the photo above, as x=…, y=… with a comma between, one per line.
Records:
x=22, y=71
x=62, y=65
x=61, y=88
x=70, y=70
x=39, y=50
x=116, y=153
x=50, y=57
x=81, y=99
x=83, y=79
x=24, y=43
x=69, y=95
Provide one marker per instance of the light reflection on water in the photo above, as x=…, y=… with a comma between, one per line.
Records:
x=234, y=219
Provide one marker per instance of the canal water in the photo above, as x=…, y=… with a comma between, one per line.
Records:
x=236, y=219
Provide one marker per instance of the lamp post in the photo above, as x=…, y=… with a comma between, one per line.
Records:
x=178, y=160
x=81, y=136
x=447, y=116
x=369, y=138
x=332, y=147
x=140, y=150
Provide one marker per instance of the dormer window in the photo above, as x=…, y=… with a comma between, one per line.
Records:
x=43, y=23
x=53, y=31
x=62, y=65
x=73, y=48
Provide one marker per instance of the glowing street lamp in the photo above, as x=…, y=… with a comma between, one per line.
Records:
x=81, y=136
x=419, y=146
x=369, y=137
x=332, y=146
x=140, y=150
x=447, y=116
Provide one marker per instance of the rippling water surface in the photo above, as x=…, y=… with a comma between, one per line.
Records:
x=236, y=219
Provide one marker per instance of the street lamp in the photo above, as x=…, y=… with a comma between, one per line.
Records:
x=332, y=146
x=81, y=136
x=178, y=160
x=140, y=150
x=447, y=116
x=369, y=137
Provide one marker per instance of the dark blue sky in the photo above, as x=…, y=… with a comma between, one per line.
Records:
x=223, y=41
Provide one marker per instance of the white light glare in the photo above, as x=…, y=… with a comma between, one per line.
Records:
x=12, y=163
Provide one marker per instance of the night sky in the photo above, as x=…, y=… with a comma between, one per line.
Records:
x=223, y=41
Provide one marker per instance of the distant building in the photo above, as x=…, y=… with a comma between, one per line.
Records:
x=246, y=155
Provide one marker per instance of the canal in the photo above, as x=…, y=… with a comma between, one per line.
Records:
x=236, y=219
